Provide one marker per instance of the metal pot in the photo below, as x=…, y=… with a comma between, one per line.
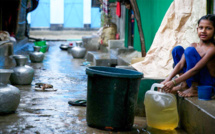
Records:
x=23, y=74
x=64, y=47
x=78, y=51
x=36, y=56
x=10, y=95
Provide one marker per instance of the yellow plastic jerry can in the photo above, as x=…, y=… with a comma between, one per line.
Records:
x=161, y=109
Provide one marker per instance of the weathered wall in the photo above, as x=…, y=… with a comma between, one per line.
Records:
x=119, y=21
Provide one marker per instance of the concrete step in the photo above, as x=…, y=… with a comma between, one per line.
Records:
x=197, y=116
x=101, y=59
x=120, y=57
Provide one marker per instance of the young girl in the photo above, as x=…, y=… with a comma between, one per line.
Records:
x=196, y=64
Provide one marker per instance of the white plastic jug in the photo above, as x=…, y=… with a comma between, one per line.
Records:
x=161, y=109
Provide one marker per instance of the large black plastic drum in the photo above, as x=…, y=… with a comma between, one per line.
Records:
x=111, y=97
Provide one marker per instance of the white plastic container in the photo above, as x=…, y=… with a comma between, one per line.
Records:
x=161, y=109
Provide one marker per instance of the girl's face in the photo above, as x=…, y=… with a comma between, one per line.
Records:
x=205, y=30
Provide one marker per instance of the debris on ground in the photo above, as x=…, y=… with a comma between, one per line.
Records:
x=44, y=87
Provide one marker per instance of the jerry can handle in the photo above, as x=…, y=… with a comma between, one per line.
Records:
x=156, y=85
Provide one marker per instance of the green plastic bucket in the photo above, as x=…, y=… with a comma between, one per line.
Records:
x=42, y=44
x=111, y=97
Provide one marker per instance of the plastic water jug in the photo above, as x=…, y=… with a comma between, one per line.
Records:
x=161, y=109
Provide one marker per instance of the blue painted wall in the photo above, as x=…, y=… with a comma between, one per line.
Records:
x=73, y=14
x=40, y=17
x=95, y=17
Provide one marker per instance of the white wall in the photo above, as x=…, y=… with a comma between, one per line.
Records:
x=29, y=18
x=56, y=11
x=87, y=11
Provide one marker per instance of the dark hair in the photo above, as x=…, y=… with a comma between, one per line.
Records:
x=211, y=18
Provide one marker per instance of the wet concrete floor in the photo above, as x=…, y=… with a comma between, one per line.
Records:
x=49, y=112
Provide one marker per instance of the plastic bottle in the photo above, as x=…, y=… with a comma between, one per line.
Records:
x=161, y=109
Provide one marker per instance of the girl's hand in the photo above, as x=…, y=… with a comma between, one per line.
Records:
x=163, y=82
x=168, y=86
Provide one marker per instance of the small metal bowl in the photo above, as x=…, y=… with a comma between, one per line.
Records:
x=64, y=47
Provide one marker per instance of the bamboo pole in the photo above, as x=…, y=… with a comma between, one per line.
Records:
x=138, y=19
